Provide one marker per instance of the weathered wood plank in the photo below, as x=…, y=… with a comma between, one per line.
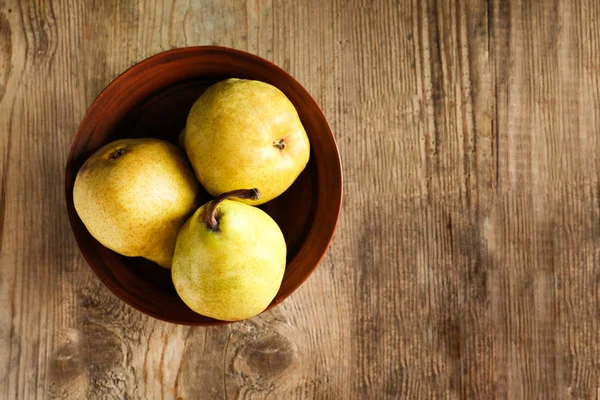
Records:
x=466, y=260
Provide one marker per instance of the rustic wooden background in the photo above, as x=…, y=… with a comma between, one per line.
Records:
x=467, y=259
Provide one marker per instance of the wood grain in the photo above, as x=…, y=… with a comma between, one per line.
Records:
x=466, y=262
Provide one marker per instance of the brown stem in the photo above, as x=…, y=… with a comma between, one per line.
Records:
x=246, y=194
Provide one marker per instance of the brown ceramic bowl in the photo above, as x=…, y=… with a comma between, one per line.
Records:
x=152, y=99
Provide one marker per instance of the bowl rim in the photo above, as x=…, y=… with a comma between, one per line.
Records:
x=132, y=70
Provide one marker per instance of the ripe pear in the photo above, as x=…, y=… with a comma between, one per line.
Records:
x=133, y=195
x=245, y=133
x=229, y=259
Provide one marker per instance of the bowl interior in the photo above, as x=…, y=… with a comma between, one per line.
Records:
x=152, y=99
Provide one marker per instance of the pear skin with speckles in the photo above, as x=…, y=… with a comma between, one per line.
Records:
x=245, y=133
x=133, y=195
x=234, y=270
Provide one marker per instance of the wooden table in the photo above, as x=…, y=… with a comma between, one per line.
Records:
x=467, y=258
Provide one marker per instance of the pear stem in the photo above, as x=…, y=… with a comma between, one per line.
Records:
x=245, y=194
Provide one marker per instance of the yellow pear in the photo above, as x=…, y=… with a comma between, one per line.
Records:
x=245, y=133
x=229, y=259
x=133, y=195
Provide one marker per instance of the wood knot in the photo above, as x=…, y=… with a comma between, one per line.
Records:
x=268, y=356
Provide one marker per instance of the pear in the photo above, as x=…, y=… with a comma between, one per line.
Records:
x=133, y=195
x=245, y=133
x=229, y=259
